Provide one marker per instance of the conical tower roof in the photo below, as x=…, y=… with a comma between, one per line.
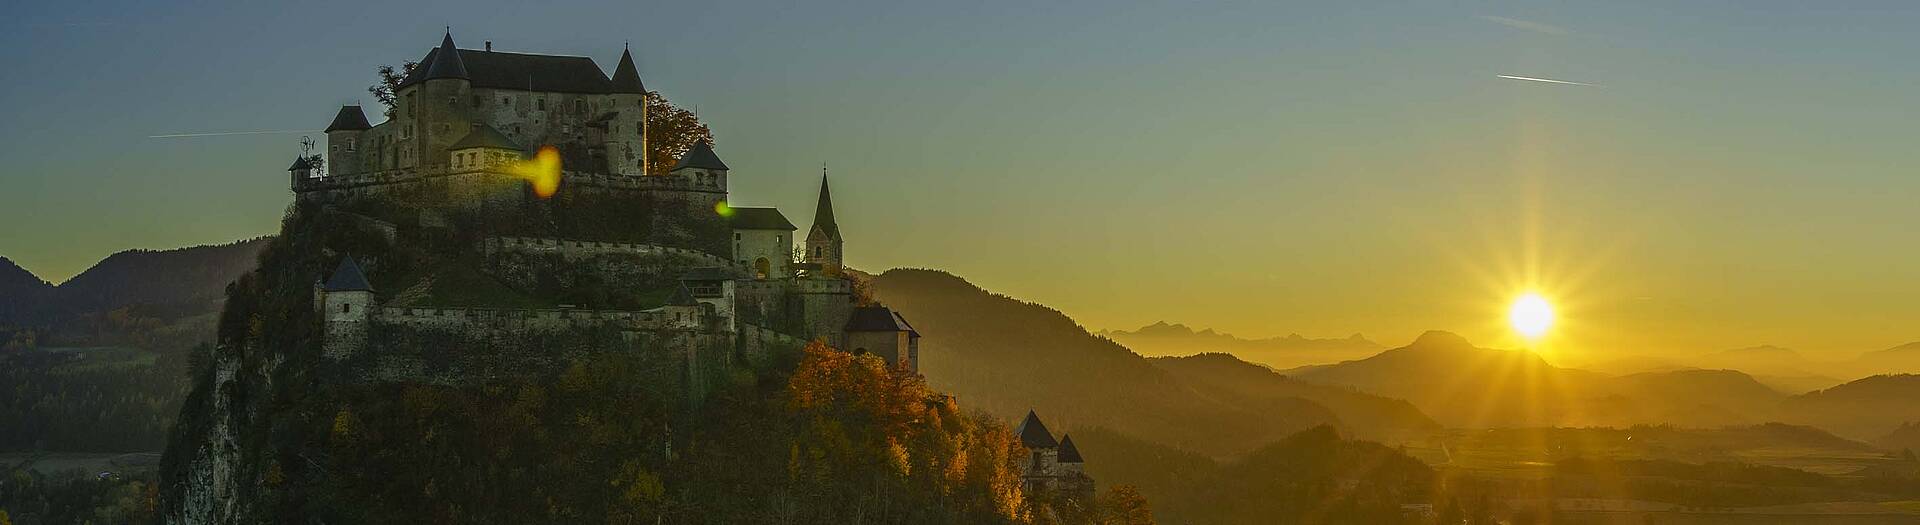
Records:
x=626, y=77
x=701, y=156
x=446, y=62
x=1034, y=434
x=1069, y=453
x=347, y=278
x=350, y=118
x=300, y=163
x=823, y=224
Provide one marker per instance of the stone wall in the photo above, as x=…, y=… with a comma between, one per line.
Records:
x=575, y=249
x=704, y=193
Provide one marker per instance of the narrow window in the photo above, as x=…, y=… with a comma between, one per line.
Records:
x=540, y=104
x=346, y=308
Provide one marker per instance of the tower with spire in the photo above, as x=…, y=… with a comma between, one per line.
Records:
x=626, y=135
x=824, y=245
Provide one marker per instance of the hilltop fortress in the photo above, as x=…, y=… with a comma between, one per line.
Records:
x=706, y=279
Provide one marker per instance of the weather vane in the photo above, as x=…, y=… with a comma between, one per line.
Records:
x=306, y=145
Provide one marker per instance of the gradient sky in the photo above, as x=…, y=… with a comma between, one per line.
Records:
x=1741, y=174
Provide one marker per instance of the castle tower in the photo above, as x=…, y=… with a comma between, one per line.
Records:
x=880, y=331
x=441, y=106
x=682, y=311
x=1044, y=452
x=301, y=172
x=1053, y=466
x=343, y=140
x=347, y=303
x=702, y=166
x=626, y=138
x=823, y=241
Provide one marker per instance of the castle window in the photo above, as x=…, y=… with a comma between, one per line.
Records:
x=504, y=101
x=540, y=104
x=350, y=145
x=346, y=308
x=453, y=101
x=580, y=106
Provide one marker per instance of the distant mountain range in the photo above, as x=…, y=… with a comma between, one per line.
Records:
x=180, y=281
x=1008, y=356
x=1466, y=386
x=1164, y=339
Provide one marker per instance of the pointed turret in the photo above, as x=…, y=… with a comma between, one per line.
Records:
x=347, y=278
x=446, y=61
x=350, y=118
x=1068, y=453
x=300, y=164
x=701, y=157
x=626, y=77
x=1034, y=434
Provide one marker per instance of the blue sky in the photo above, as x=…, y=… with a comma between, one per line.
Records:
x=1742, y=172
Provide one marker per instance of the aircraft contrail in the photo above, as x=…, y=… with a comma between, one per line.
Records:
x=1547, y=80
x=225, y=133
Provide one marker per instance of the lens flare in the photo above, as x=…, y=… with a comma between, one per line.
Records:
x=542, y=171
x=1531, y=315
x=722, y=209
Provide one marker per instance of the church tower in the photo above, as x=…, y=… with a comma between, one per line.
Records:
x=823, y=241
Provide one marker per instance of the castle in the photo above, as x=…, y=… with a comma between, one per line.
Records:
x=463, y=125
x=1053, y=466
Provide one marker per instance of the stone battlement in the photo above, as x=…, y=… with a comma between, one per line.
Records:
x=521, y=319
x=577, y=248
x=386, y=177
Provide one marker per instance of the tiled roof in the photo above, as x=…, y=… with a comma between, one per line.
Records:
x=485, y=137
x=759, y=219
x=1069, y=453
x=701, y=156
x=1034, y=434
x=347, y=278
x=350, y=118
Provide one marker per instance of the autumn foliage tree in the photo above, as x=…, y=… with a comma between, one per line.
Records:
x=671, y=131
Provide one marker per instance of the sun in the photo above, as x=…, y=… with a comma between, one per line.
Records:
x=1531, y=315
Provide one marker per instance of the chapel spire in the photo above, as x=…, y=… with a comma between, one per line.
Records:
x=824, y=246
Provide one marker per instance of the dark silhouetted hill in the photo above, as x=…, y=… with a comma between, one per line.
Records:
x=21, y=292
x=170, y=283
x=193, y=277
x=1008, y=356
x=1164, y=339
x=1314, y=476
x=1225, y=377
